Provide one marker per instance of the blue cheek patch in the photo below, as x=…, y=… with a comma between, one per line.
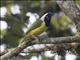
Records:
x=48, y=19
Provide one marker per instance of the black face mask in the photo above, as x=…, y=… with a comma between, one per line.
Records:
x=47, y=19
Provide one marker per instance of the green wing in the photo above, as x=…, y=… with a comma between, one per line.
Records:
x=36, y=24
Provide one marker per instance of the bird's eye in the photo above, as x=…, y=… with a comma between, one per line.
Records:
x=46, y=17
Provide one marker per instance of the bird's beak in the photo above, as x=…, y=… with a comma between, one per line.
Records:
x=42, y=18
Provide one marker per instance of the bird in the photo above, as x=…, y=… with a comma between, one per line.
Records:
x=58, y=23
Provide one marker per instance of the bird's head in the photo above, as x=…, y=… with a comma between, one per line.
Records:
x=47, y=18
x=43, y=17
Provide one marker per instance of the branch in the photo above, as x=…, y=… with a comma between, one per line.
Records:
x=71, y=9
x=16, y=51
x=27, y=43
x=59, y=40
x=2, y=53
x=47, y=47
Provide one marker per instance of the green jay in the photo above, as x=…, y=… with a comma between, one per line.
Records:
x=58, y=21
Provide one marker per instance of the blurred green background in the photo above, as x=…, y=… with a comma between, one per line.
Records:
x=16, y=16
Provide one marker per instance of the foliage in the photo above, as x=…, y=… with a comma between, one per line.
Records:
x=16, y=22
